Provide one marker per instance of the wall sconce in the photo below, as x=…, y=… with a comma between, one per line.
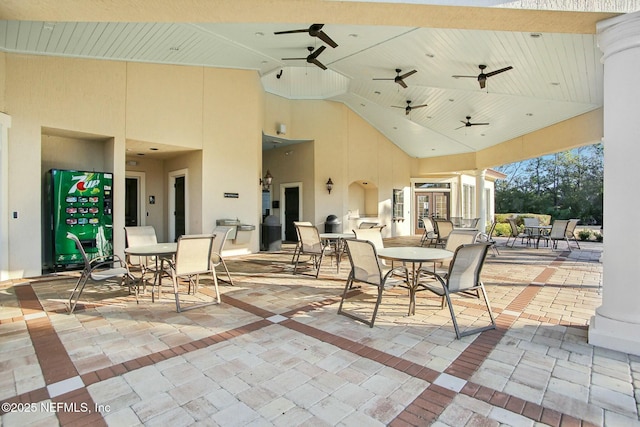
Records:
x=266, y=182
x=329, y=185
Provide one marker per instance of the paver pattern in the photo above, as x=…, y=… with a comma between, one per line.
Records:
x=275, y=352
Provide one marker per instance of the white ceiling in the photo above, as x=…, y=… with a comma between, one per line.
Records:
x=554, y=77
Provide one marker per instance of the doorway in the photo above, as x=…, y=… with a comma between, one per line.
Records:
x=178, y=204
x=430, y=204
x=134, y=212
x=291, y=209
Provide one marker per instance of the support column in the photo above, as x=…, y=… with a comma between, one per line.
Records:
x=616, y=324
x=5, y=124
x=481, y=199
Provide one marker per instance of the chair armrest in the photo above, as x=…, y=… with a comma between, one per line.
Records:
x=104, y=260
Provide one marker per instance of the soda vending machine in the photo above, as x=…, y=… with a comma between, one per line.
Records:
x=80, y=203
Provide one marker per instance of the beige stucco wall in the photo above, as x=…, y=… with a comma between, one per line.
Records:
x=3, y=73
x=219, y=113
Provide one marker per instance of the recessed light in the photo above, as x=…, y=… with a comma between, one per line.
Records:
x=429, y=55
x=49, y=26
x=377, y=92
x=555, y=83
x=482, y=134
x=535, y=35
x=259, y=34
x=140, y=154
x=362, y=105
x=174, y=48
x=530, y=114
x=354, y=35
x=395, y=127
x=451, y=99
x=153, y=149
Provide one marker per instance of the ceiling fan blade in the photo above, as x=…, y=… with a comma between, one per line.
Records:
x=325, y=38
x=410, y=73
x=385, y=79
x=397, y=106
x=419, y=106
x=316, y=53
x=478, y=124
x=464, y=77
x=460, y=127
x=402, y=83
x=318, y=63
x=292, y=59
x=291, y=31
x=502, y=70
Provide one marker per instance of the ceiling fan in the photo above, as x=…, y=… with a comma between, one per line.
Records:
x=315, y=30
x=482, y=77
x=312, y=58
x=408, y=108
x=400, y=78
x=469, y=124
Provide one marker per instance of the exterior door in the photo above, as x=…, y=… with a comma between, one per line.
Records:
x=179, y=203
x=430, y=204
x=131, y=202
x=291, y=212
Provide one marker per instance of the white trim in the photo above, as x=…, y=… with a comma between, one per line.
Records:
x=283, y=200
x=140, y=177
x=171, y=205
x=5, y=124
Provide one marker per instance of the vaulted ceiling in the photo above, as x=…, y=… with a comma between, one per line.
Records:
x=556, y=74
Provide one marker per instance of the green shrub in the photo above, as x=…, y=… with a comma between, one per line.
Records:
x=584, y=234
x=598, y=236
x=502, y=229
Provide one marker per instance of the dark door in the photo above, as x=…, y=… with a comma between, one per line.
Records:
x=131, y=202
x=291, y=212
x=179, y=204
x=430, y=204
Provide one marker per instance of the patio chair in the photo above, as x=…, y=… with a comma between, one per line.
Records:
x=488, y=238
x=366, y=269
x=312, y=245
x=558, y=232
x=463, y=276
x=98, y=269
x=220, y=237
x=193, y=258
x=515, y=232
x=571, y=231
x=530, y=232
x=429, y=234
x=444, y=228
x=140, y=236
x=295, y=225
x=457, y=238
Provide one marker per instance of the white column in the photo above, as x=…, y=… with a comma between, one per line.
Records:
x=616, y=324
x=5, y=124
x=481, y=199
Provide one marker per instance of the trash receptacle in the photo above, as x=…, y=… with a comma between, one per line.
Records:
x=332, y=225
x=271, y=234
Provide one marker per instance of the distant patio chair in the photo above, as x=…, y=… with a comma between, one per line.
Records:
x=366, y=269
x=463, y=276
x=429, y=235
x=221, y=233
x=530, y=231
x=515, y=232
x=297, y=248
x=98, y=269
x=571, y=231
x=367, y=225
x=558, y=232
x=488, y=238
x=444, y=228
x=193, y=259
x=140, y=236
x=312, y=245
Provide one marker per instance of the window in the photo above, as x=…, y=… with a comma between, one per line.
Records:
x=398, y=204
x=468, y=201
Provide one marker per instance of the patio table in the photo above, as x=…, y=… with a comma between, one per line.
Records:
x=416, y=256
x=162, y=252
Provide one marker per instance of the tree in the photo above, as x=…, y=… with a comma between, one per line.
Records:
x=564, y=185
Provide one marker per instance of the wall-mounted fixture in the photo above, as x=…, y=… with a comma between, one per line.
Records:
x=281, y=129
x=329, y=185
x=266, y=181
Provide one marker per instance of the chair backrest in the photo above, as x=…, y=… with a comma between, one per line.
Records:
x=492, y=229
x=221, y=233
x=571, y=227
x=529, y=222
x=514, y=227
x=139, y=236
x=193, y=254
x=428, y=225
x=298, y=223
x=310, y=242
x=459, y=237
x=445, y=228
x=465, y=267
x=367, y=224
x=558, y=229
x=373, y=235
x=364, y=261
x=85, y=258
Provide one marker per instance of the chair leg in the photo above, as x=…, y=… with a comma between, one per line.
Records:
x=82, y=281
x=215, y=284
x=226, y=270
x=175, y=292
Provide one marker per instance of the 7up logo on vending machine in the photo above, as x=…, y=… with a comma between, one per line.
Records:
x=83, y=183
